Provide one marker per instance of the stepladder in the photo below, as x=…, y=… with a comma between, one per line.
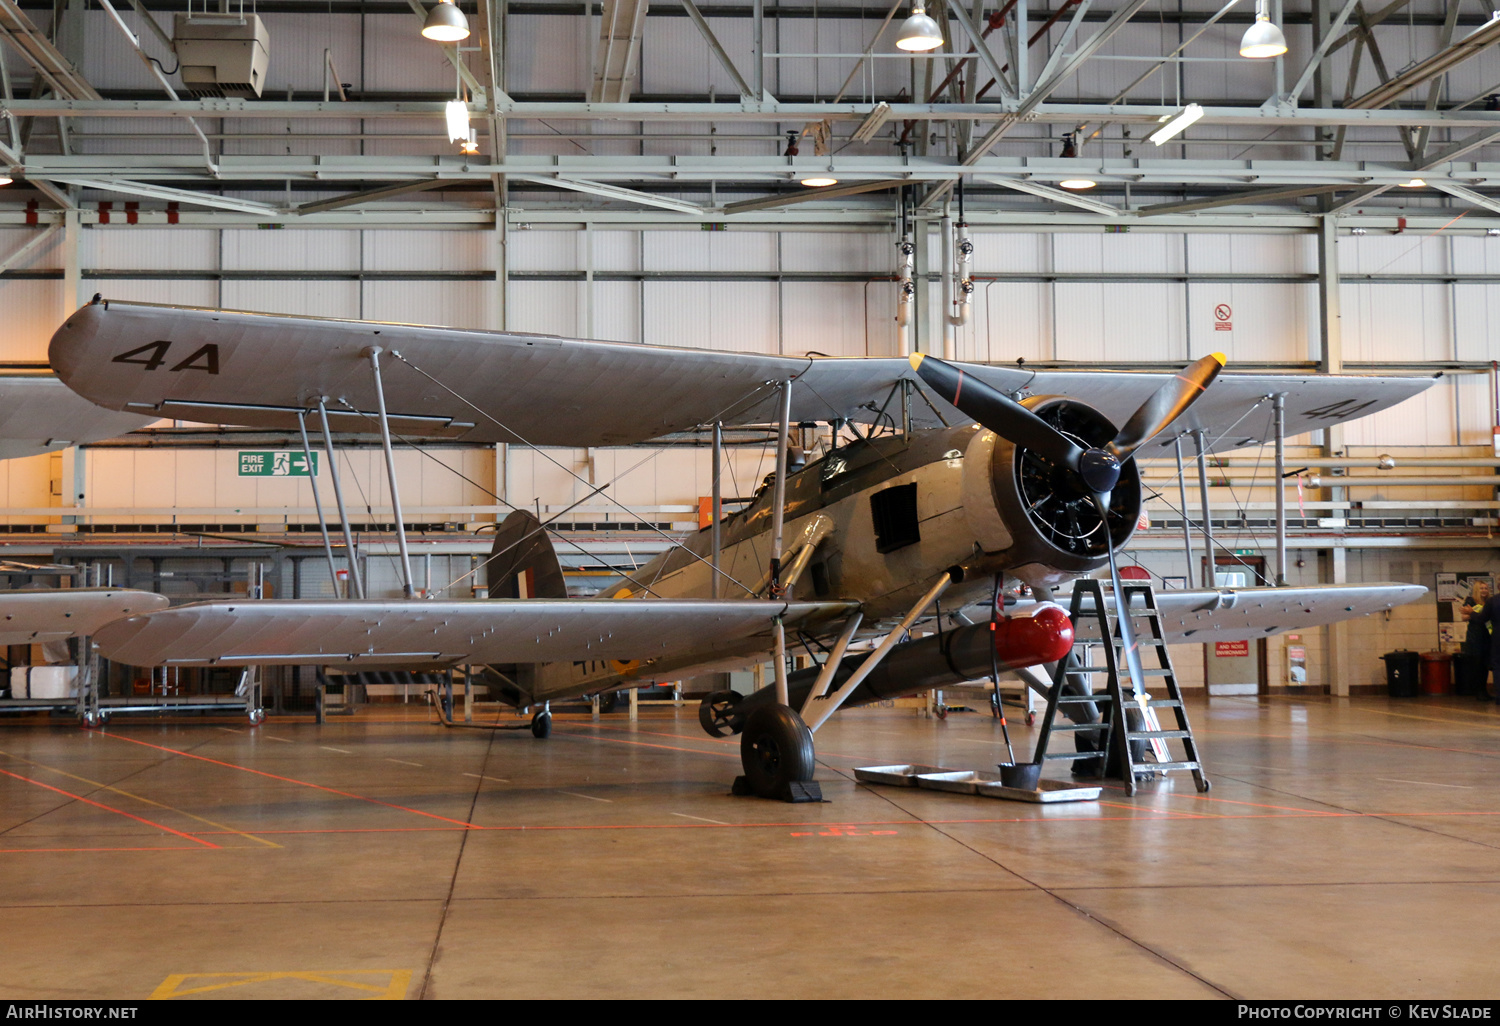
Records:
x=1117, y=727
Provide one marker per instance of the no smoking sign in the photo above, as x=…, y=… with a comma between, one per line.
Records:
x=1223, y=318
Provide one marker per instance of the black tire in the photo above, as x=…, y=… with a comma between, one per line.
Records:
x=541, y=725
x=718, y=713
x=776, y=749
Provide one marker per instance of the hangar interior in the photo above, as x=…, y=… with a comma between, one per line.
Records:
x=640, y=173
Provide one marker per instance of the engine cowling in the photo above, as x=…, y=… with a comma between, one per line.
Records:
x=1055, y=525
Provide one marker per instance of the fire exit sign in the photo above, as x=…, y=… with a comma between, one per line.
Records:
x=275, y=463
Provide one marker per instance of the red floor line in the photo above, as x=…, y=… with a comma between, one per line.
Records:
x=28, y=851
x=110, y=808
x=289, y=780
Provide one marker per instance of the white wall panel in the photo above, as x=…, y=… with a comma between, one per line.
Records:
x=1012, y=320
x=728, y=316
x=1118, y=253
x=179, y=292
x=536, y=250
x=33, y=310
x=1108, y=321
x=310, y=298
x=1251, y=254
x=1393, y=254
x=429, y=251
x=1270, y=322
x=547, y=307
x=137, y=248
x=871, y=252
x=451, y=304
x=1391, y=322
x=291, y=250
x=617, y=312
x=710, y=251
x=545, y=54
x=831, y=319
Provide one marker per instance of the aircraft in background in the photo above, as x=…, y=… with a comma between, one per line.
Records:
x=992, y=470
x=38, y=414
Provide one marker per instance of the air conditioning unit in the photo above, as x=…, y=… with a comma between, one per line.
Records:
x=222, y=55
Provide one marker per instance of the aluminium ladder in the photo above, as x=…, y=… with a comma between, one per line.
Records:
x=1115, y=729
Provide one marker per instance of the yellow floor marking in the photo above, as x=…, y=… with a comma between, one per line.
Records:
x=147, y=801
x=392, y=988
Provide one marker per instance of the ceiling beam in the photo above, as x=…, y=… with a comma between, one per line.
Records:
x=807, y=195
x=1235, y=199
x=162, y=192
x=1063, y=196
x=370, y=195
x=1468, y=196
x=612, y=192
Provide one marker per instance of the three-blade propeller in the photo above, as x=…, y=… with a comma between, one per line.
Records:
x=1097, y=468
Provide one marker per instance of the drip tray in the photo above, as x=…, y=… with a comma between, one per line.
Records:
x=985, y=785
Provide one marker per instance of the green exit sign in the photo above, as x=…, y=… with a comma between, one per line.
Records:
x=275, y=463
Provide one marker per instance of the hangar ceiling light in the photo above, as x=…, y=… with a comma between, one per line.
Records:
x=1175, y=124
x=819, y=181
x=446, y=23
x=1415, y=183
x=1263, y=38
x=919, y=32
x=1077, y=184
x=457, y=113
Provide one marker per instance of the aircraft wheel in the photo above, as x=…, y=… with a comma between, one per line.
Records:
x=541, y=725
x=257, y=717
x=719, y=713
x=776, y=749
x=91, y=719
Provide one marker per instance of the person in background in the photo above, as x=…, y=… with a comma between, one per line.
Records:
x=1482, y=612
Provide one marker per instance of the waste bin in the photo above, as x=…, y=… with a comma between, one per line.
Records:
x=1437, y=674
x=1401, y=668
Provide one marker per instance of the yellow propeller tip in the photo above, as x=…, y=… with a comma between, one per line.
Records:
x=1221, y=358
x=916, y=361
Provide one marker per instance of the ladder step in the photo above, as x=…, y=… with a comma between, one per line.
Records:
x=1164, y=766
x=1164, y=703
x=1080, y=726
x=1101, y=696
x=1076, y=755
x=1139, y=735
x=1088, y=669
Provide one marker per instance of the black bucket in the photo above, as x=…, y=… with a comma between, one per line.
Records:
x=1021, y=775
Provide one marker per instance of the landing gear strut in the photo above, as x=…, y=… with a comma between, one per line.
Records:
x=776, y=749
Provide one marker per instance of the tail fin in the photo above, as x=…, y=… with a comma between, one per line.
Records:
x=522, y=562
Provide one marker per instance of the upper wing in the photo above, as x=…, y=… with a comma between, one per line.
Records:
x=39, y=414
x=304, y=632
x=1242, y=614
x=60, y=613
x=259, y=369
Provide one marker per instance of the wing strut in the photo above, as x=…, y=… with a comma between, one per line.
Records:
x=778, y=515
x=312, y=476
x=356, y=580
x=390, y=470
x=829, y=705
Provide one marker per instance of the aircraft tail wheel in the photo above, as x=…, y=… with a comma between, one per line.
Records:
x=541, y=725
x=719, y=713
x=776, y=749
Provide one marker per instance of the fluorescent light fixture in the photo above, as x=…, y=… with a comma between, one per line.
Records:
x=874, y=122
x=5, y=179
x=471, y=144
x=446, y=23
x=1077, y=184
x=1263, y=38
x=819, y=181
x=457, y=112
x=1175, y=124
x=919, y=32
x=1415, y=183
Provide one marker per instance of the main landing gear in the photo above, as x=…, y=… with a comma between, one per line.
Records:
x=776, y=749
x=541, y=723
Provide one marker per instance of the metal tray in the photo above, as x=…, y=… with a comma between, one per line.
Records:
x=1046, y=791
x=958, y=781
x=899, y=776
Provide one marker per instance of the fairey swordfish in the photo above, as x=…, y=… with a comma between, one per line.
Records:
x=994, y=473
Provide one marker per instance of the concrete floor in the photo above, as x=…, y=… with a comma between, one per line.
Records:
x=1348, y=849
